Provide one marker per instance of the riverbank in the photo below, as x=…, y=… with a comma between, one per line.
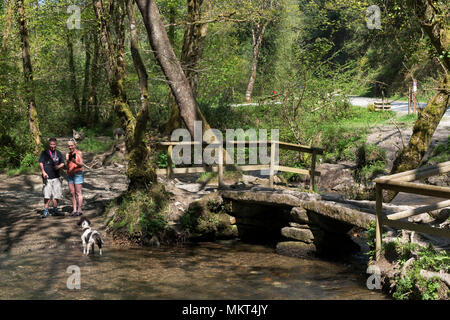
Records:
x=413, y=271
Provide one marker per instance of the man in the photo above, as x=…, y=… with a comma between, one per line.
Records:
x=50, y=162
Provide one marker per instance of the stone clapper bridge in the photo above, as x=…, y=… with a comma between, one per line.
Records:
x=301, y=223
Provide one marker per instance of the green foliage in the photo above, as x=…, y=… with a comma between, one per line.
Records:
x=189, y=220
x=370, y=239
x=370, y=161
x=430, y=259
x=95, y=145
x=199, y=220
x=290, y=176
x=441, y=153
x=28, y=164
x=203, y=217
x=207, y=177
x=140, y=215
x=340, y=135
x=162, y=160
x=92, y=142
x=96, y=132
x=368, y=172
x=213, y=177
x=408, y=118
x=405, y=250
x=314, y=53
x=151, y=221
x=412, y=285
x=370, y=235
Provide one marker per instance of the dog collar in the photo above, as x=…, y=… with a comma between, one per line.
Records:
x=86, y=227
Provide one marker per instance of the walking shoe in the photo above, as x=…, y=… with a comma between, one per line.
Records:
x=56, y=213
x=45, y=213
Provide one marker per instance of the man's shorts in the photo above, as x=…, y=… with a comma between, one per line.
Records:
x=52, y=188
x=76, y=178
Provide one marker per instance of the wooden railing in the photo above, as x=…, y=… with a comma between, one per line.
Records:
x=272, y=166
x=401, y=182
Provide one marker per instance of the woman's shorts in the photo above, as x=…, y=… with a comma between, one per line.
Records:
x=77, y=178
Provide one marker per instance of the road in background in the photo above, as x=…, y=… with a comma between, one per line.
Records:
x=397, y=106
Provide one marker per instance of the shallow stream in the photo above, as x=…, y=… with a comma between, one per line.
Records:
x=220, y=270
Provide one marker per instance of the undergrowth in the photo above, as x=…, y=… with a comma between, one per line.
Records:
x=92, y=143
x=441, y=153
x=139, y=215
x=412, y=285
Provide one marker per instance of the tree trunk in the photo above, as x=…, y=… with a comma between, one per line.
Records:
x=140, y=171
x=87, y=69
x=169, y=63
x=434, y=24
x=191, y=53
x=73, y=76
x=174, y=121
x=5, y=35
x=423, y=130
x=434, y=21
x=92, y=103
x=172, y=16
x=33, y=122
x=194, y=36
x=257, y=36
x=141, y=124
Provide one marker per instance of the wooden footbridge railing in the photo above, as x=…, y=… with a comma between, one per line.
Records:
x=272, y=166
x=401, y=182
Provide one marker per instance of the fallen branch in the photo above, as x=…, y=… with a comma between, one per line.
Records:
x=406, y=265
x=445, y=277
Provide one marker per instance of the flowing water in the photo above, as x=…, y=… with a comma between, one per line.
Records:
x=220, y=270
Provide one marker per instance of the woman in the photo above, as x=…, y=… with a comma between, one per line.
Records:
x=75, y=179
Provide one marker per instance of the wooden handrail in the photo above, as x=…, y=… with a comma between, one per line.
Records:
x=401, y=182
x=312, y=173
x=416, y=174
x=282, y=145
x=416, y=211
x=416, y=188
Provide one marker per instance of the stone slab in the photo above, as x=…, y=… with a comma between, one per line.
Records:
x=295, y=249
x=304, y=235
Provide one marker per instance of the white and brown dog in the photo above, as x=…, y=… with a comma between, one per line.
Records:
x=89, y=237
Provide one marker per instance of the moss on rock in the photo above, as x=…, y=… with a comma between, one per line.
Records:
x=208, y=218
x=139, y=215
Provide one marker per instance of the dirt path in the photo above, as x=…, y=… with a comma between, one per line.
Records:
x=21, y=204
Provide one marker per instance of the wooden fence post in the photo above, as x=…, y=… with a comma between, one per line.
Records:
x=272, y=163
x=220, y=150
x=379, y=221
x=313, y=170
x=409, y=100
x=169, y=162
